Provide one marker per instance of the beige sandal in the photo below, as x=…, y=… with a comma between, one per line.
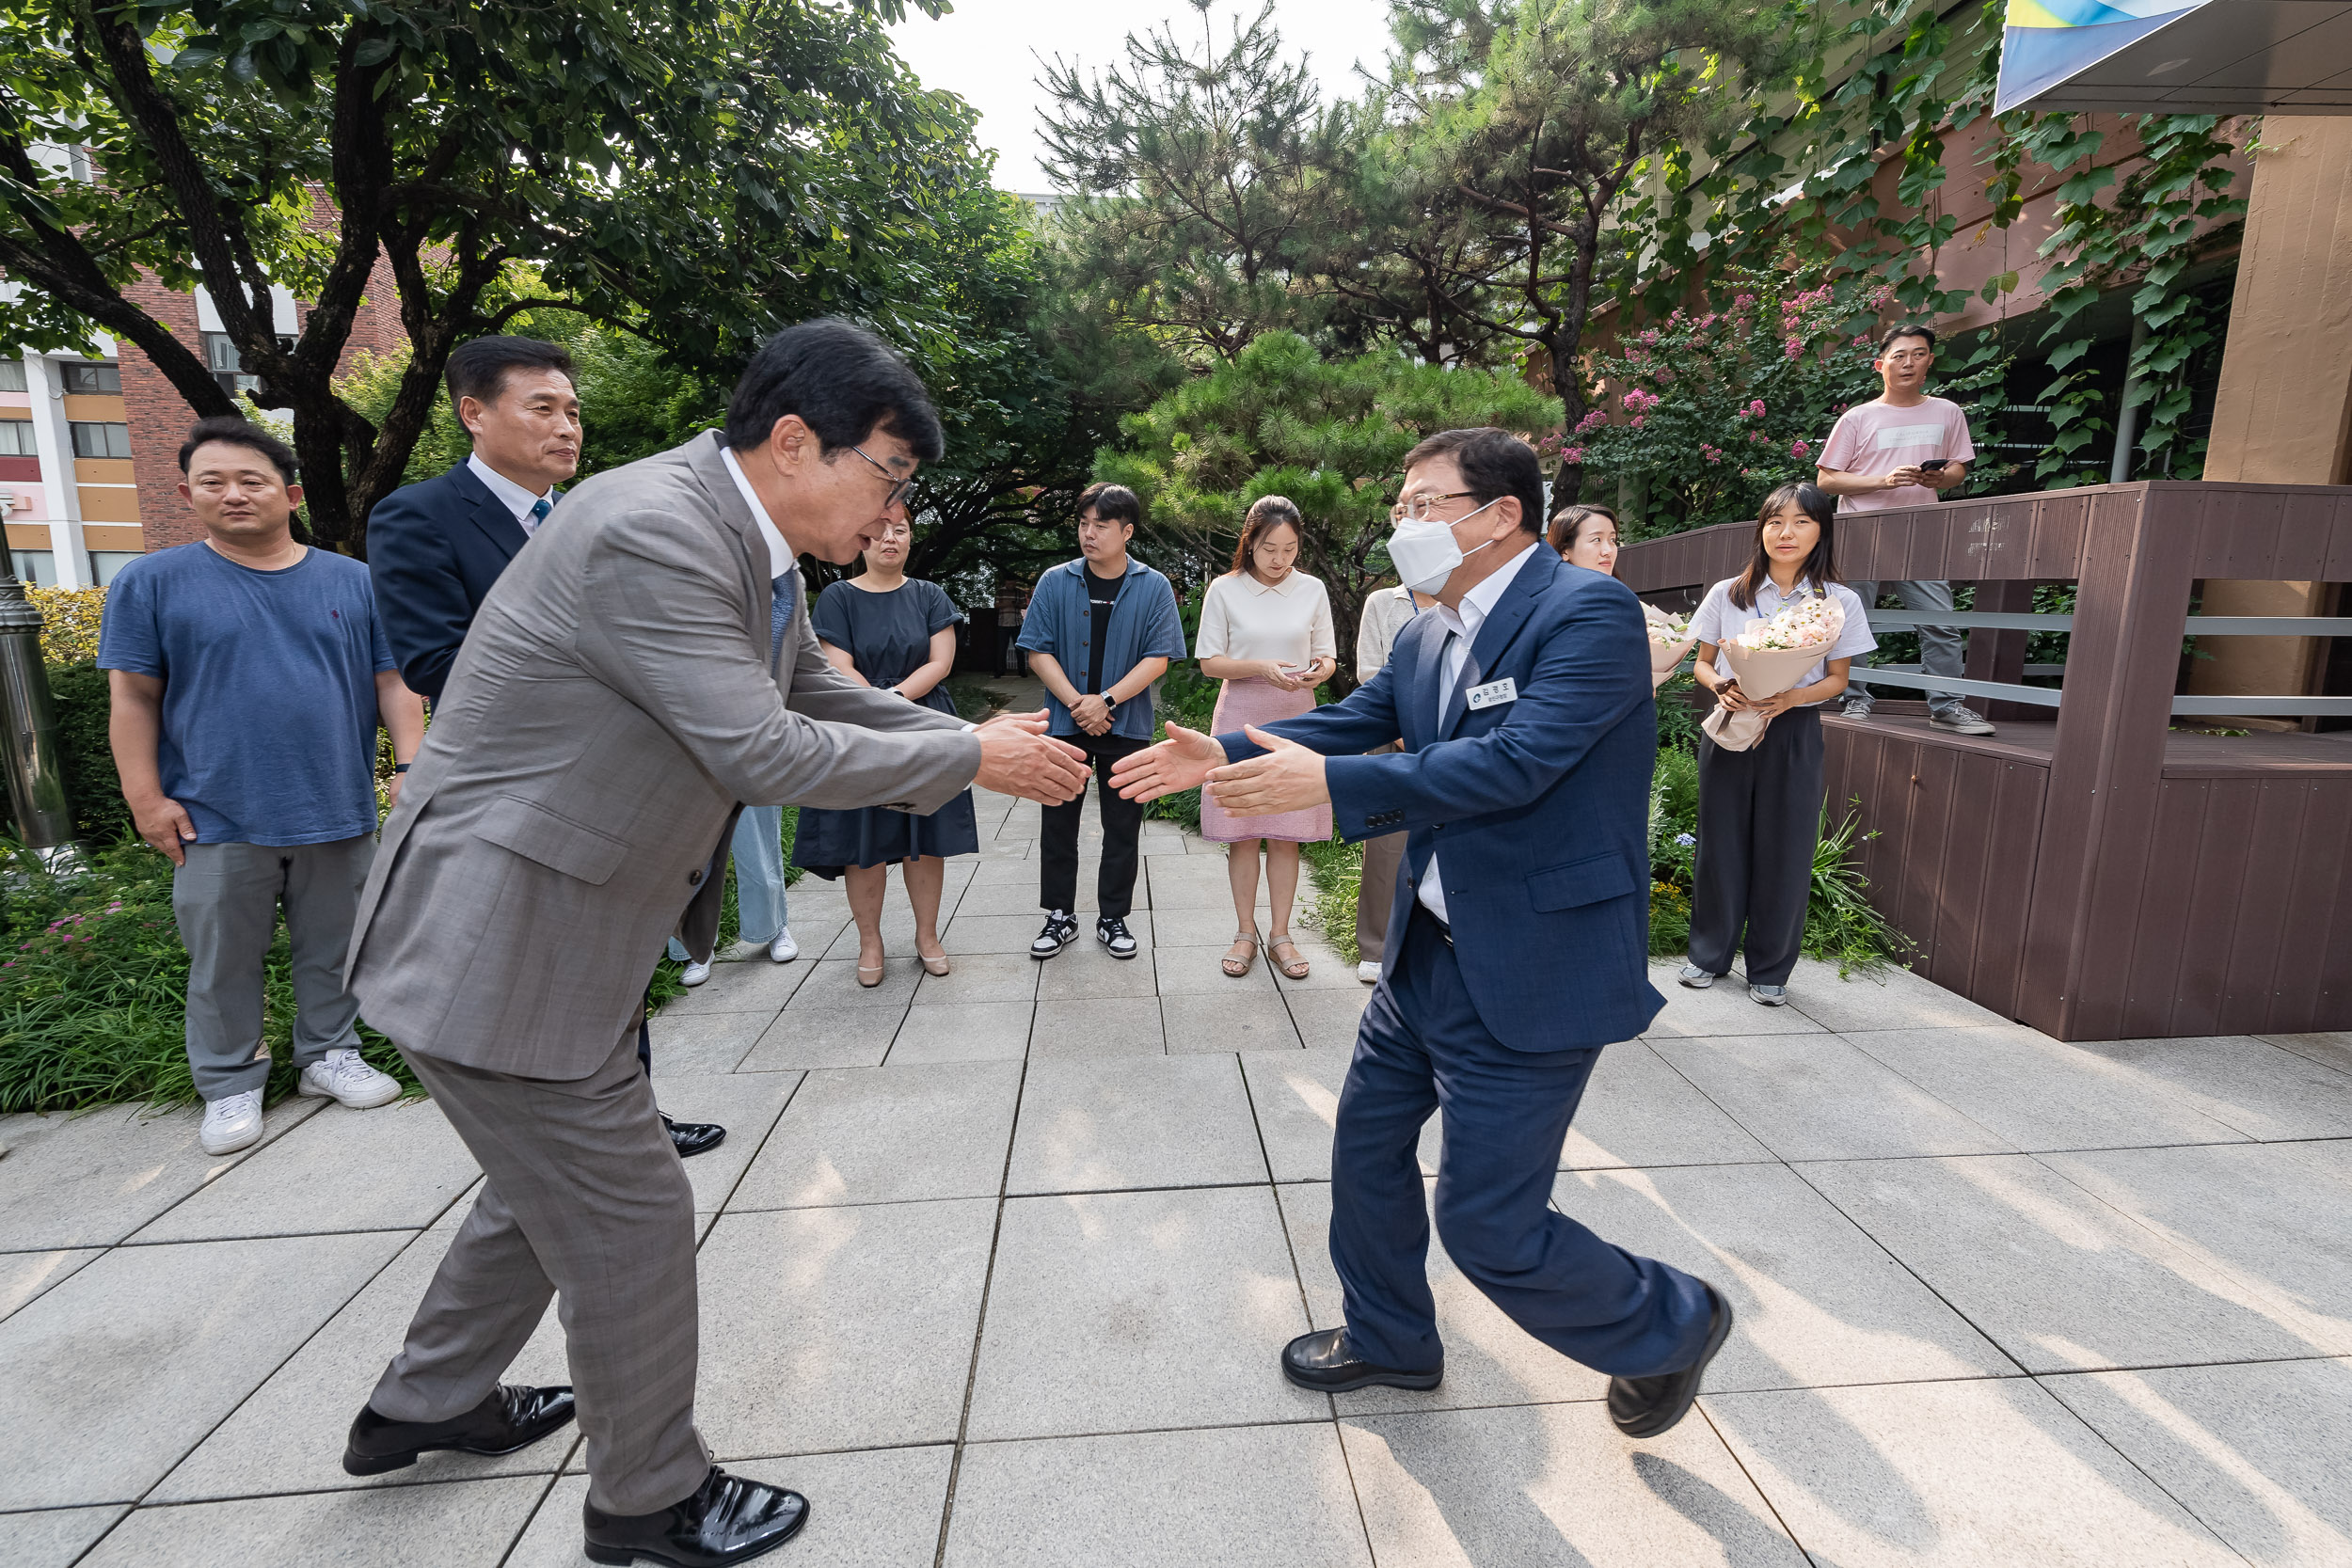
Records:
x=932, y=965
x=1296, y=968
x=1247, y=960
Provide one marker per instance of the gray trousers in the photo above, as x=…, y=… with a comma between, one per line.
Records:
x=1376, y=896
x=1939, y=646
x=584, y=1199
x=226, y=899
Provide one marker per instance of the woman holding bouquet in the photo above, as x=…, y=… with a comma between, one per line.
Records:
x=1760, y=808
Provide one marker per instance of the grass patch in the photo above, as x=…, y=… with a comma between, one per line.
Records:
x=1334, y=871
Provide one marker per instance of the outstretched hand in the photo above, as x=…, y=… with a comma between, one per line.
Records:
x=1288, y=778
x=1018, y=757
x=1179, y=762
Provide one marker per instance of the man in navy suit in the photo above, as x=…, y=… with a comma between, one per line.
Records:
x=1523, y=703
x=435, y=548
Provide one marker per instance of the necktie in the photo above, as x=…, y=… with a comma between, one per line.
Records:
x=780, y=616
x=539, y=510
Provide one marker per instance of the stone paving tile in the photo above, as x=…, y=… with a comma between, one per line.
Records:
x=1198, y=927
x=2262, y=1090
x=706, y=1042
x=1328, y=1020
x=2333, y=1048
x=2273, y=1215
x=1006, y=899
x=824, y=1037
x=107, y=1380
x=839, y=1328
x=980, y=977
x=395, y=1168
x=1723, y=1009
x=1326, y=970
x=1266, y=1496
x=1190, y=971
x=465, y=1524
x=23, y=1276
x=2259, y=1453
x=1110, y=1026
x=1954, y=1474
x=1488, y=1358
x=90, y=1180
x=1638, y=1111
x=1096, y=1123
x=898, y=929
x=1001, y=866
x=1296, y=1095
x=1084, y=970
x=1228, y=1021
x=887, y=1135
x=2060, y=1281
x=746, y=985
x=1127, y=1311
x=962, y=1032
x=745, y=1103
x=56, y=1537
x=833, y=983
x=1890, y=999
x=878, y=1509
x=1555, y=1484
x=1816, y=1300
x=1814, y=1097
x=287, y=1435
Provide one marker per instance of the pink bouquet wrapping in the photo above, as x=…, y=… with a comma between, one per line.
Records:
x=1670, y=640
x=1768, y=658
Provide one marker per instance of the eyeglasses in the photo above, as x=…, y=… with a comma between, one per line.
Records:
x=898, y=486
x=1419, y=508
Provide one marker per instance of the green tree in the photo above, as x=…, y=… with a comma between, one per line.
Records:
x=698, y=171
x=1330, y=434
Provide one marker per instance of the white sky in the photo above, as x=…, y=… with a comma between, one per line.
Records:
x=989, y=51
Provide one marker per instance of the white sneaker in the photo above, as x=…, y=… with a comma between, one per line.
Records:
x=342, y=1076
x=695, y=975
x=1368, y=973
x=784, y=949
x=231, y=1122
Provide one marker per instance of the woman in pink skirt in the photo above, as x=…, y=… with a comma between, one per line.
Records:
x=1266, y=631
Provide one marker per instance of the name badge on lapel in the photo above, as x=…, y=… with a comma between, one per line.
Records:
x=1494, y=693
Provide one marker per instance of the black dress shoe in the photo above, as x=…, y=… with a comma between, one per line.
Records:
x=1649, y=1407
x=513, y=1416
x=729, y=1519
x=1323, y=1362
x=694, y=1137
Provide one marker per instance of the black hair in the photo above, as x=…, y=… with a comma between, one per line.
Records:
x=478, y=369
x=1265, y=514
x=1494, y=464
x=1820, y=566
x=1113, y=503
x=232, y=430
x=1904, y=329
x=843, y=382
x=1569, y=521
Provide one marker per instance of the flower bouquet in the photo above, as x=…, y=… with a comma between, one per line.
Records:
x=1768, y=658
x=1670, y=640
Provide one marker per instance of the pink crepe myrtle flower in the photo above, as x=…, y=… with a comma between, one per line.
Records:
x=1791, y=348
x=1572, y=454
x=1638, y=419
x=1755, y=408
x=1799, y=449
x=1590, y=420
x=1744, y=302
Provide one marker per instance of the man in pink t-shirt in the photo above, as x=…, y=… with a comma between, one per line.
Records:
x=1902, y=448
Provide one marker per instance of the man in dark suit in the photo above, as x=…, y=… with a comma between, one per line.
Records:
x=435, y=548
x=1520, y=937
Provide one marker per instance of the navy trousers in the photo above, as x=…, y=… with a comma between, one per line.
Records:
x=1422, y=1049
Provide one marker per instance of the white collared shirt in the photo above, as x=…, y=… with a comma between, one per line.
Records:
x=1476, y=605
x=780, y=557
x=511, y=495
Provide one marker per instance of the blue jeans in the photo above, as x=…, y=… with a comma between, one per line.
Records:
x=759, y=851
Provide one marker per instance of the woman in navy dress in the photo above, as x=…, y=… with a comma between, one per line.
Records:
x=883, y=628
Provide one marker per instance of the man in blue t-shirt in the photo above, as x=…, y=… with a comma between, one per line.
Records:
x=249, y=674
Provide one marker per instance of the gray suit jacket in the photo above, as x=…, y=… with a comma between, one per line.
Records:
x=612, y=705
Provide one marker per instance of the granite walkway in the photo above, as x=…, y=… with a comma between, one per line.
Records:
x=995, y=1268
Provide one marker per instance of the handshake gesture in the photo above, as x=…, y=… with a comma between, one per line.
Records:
x=1018, y=757
x=1288, y=778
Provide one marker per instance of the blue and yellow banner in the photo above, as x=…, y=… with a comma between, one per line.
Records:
x=2046, y=41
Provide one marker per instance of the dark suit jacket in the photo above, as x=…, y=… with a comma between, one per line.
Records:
x=1541, y=805
x=434, y=550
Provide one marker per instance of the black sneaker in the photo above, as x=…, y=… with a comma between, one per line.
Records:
x=1112, y=933
x=1060, y=932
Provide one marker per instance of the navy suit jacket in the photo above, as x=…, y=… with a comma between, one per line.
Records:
x=1538, y=806
x=434, y=550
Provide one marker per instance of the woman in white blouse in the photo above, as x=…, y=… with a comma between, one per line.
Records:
x=1266, y=631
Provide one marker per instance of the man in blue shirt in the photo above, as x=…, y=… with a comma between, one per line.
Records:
x=1100, y=630
x=249, y=674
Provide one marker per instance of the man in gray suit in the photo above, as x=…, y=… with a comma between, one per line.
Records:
x=616, y=701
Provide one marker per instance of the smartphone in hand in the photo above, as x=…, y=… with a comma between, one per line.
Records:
x=1933, y=464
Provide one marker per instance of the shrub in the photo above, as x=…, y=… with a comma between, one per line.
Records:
x=68, y=622
x=101, y=817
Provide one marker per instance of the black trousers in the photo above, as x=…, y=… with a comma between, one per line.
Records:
x=1759, y=816
x=1122, y=834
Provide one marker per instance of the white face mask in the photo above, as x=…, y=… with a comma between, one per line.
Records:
x=1425, y=552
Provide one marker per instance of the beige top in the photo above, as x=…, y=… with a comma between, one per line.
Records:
x=1386, y=611
x=1244, y=618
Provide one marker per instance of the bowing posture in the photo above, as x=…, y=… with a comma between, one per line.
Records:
x=1519, y=937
